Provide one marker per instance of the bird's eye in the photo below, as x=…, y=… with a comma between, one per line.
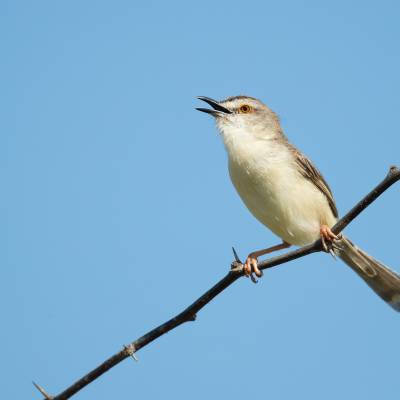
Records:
x=245, y=109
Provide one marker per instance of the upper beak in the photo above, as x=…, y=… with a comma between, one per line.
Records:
x=217, y=108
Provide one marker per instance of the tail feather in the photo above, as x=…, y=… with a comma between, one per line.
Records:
x=383, y=281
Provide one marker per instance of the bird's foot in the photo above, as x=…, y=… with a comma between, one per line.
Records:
x=251, y=266
x=328, y=239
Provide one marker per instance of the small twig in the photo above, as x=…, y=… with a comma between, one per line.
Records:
x=44, y=393
x=235, y=273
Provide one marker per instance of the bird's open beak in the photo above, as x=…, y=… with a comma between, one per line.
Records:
x=217, y=108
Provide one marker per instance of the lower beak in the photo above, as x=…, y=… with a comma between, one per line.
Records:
x=217, y=108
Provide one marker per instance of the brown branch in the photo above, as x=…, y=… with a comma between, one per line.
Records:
x=189, y=314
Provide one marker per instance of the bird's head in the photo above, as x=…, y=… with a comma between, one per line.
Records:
x=242, y=116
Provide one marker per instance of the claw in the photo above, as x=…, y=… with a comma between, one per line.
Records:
x=254, y=280
x=327, y=238
x=324, y=246
x=336, y=247
x=251, y=269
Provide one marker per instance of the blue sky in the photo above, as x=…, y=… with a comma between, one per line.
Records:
x=118, y=210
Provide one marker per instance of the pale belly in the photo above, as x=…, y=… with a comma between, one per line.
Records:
x=288, y=204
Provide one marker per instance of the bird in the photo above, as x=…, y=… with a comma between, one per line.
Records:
x=283, y=189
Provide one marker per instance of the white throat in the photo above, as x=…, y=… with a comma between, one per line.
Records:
x=248, y=143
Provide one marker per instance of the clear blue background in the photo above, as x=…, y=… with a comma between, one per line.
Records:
x=118, y=210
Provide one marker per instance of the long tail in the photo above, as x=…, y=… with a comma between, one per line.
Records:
x=383, y=281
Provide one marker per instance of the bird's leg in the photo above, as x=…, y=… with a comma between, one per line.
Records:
x=327, y=238
x=252, y=259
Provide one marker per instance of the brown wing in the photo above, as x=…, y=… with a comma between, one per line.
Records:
x=309, y=171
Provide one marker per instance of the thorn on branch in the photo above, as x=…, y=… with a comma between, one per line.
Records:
x=237, y=265
x=131, y=350
x=42, y=391
x=237, y=259
x=192, y=317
